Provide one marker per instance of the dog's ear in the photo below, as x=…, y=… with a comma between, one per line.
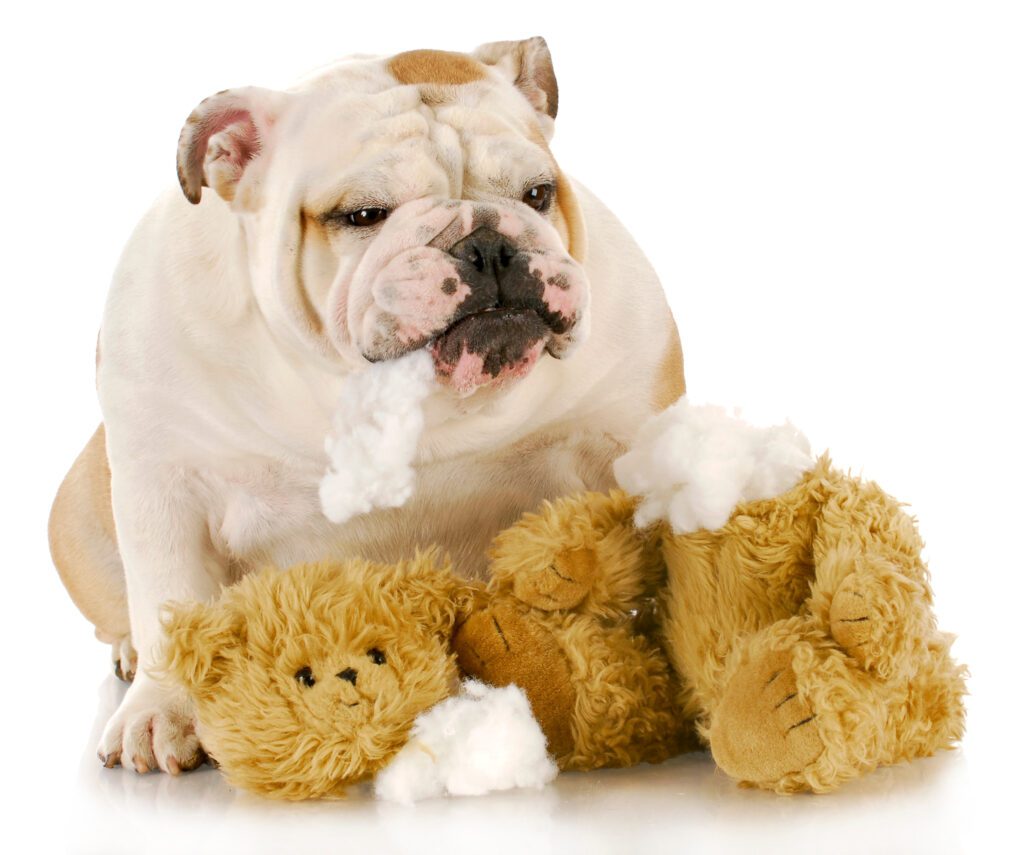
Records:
x=222, y=138
x=528, y=65
x=199, y=641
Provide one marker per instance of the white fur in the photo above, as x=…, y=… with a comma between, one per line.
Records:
x=693, y=464
x=377, y=426
x=219, y=371
x=482, y=740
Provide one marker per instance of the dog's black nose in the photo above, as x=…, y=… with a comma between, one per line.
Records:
x=487, y=251
x=349, y=674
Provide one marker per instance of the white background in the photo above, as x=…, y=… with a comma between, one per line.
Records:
x=832, y=195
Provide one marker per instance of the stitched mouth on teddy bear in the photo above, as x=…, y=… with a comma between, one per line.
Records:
x=492, y=347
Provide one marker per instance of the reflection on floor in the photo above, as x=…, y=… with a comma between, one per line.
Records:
x=682, y=805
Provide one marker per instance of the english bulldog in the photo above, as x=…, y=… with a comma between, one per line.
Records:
x=380, y=206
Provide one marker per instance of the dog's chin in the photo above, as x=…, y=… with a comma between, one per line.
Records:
x=491, y=348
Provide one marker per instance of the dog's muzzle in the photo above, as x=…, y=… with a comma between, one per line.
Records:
x=487, y=287
x=505, y=323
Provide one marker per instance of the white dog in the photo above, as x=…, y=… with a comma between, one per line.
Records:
x=383, y=206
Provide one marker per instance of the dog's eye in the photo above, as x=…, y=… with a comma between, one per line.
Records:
x=366, y=217
x=305, y=676
x=376, y=655
x=539, y=197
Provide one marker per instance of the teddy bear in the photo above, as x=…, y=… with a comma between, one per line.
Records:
x=791, y=599
x=796, y=610
x=738, y=594
x=569, y=620
x=308, y=680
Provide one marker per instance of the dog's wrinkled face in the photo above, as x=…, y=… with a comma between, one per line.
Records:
x=396, y=204
x=488, y=286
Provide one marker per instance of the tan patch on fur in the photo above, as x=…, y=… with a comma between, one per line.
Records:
x=569, y=208
x=83, y=541
x=310, y=225
x=568, y=217
x=670, y=384
x=436, y=66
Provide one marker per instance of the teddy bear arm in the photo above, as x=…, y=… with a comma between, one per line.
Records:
x=626, y=710
x=502, y=645
x=579, y=553
x=871, y=585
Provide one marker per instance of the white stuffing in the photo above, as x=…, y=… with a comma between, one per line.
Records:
x=483, y=739
x=377, y=427
x=693, y=464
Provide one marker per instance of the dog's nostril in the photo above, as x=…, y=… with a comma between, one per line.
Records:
x=486, y=251
x=349, y=675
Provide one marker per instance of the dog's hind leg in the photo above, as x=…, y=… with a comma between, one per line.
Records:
x=83, y=544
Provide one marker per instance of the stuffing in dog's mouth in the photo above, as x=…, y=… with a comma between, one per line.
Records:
x=489, y=347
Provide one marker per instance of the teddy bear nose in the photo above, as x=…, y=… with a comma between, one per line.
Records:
x=349, y=674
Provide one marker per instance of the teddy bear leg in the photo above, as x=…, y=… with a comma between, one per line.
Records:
x=795, y=713
x=926, y=707
x=764, y=729
x=499, y=645
x=881, y=617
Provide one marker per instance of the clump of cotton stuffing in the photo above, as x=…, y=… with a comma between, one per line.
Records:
x=691, y=465
x=482, y=740
x=377, y=426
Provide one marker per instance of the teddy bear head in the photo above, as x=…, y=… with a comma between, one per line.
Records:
x=307, y=680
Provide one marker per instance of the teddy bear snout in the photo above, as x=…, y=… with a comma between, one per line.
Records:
x=349, y=675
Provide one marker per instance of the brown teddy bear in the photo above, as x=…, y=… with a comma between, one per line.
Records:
x=797, y=610
x=308, y=680
x=791, y=600
x=568, y=619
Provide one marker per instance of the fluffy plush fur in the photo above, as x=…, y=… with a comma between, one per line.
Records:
x=568, y=620
x=482, y=740
x=308, y=680
x=804, y=634
x=377, y=425
x=803, y=648
x=801, y=629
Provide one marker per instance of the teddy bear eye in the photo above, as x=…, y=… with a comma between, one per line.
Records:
x=376, y=655
x=305, y=676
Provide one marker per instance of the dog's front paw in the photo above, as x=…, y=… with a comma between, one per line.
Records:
x=562, y=584
x=763, y=729
x=153, y=728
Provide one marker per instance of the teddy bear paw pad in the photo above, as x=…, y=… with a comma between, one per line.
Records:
x=855, y=622
x=562, y=584
x=763, y=729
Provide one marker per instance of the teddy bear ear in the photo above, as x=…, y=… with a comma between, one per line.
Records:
x=428, y=588
x=198, y=639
